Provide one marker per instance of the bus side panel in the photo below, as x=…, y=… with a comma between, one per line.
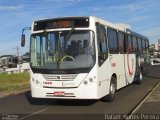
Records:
x=130, y=66
x=113, y=65
x=104, y=76
x=117, y=64
x=145, y=63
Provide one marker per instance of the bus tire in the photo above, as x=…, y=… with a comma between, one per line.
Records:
x=139, y=78
x=112, y=91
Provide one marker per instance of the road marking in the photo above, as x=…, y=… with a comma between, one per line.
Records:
x=145, y=98
x=33, y=114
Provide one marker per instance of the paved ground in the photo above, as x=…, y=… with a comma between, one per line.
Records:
x=4, y=94
x=152, y=103
x=24, y=107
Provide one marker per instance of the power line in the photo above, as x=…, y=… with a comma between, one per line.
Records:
x=148, y=28
x=155, y=36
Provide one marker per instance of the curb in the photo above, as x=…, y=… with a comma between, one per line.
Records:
x=13, y=93
x=144, y=99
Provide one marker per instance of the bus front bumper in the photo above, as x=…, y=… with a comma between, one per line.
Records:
x=81, y=92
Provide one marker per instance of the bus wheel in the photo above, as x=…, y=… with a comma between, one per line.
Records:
x=112, y=90
x=139, y=78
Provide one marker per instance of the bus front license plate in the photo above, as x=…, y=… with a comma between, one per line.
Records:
x=59, y=93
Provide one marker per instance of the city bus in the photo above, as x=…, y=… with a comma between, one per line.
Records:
x=84, y=58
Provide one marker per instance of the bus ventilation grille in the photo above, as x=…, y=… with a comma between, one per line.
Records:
x=69, y=77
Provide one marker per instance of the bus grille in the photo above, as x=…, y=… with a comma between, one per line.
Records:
x=69, y=77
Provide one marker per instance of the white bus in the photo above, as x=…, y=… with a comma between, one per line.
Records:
x=84, y=58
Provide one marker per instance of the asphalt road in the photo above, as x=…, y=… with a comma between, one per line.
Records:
x=24, y=107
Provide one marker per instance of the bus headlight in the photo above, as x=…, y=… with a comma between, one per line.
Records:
x=35, y=81
x=90, y=80
x=85, y=82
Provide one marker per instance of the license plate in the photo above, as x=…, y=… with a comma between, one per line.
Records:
x=59, y=93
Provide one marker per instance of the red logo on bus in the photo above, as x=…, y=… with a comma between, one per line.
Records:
x=130, y=71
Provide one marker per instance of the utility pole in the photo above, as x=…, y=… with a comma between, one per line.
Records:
x=18, y=59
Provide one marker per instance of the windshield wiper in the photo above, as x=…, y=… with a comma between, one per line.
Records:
x=70, y=33
x=46, y=37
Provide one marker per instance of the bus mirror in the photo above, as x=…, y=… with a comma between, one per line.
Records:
x=23, y=40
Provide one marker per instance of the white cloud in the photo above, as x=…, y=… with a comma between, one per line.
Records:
x=138, y=18
x=129, y=8
x=64, y=1
x=10, y=7
x=97, y=9
x=126, y=8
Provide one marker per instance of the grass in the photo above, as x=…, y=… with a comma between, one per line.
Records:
x=11, y=82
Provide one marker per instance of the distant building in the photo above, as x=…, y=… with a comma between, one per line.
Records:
x=25, y=58
x=12, y=61
x=9, y=63
x=1, y=70
x=155, y=49
x=20, y=68
x=157, y=45
x=152, y=47
x=4, y=61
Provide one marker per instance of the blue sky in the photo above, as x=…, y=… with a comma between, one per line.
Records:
x=142, y=15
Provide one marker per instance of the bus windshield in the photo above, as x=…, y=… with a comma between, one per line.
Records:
x=63, y=50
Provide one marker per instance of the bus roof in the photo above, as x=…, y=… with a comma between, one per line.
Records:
x=120, y=26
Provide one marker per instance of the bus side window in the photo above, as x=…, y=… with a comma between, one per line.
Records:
x=147, y=45
x=139, y=45
x=135, y=44
x=113, y=41
x=143, y=45
x=121, y=37
x=102, y=44
x=129, y=46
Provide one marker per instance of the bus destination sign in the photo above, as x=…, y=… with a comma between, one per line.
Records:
x=61, y=23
